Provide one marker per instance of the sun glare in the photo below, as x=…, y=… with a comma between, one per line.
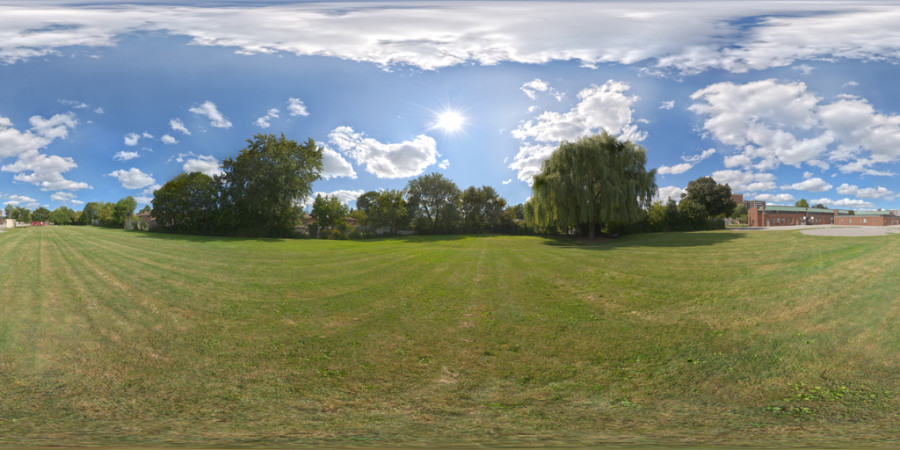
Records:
x=450, y=121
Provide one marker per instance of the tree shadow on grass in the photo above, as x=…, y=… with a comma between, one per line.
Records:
x=202, y=238
x=666, y=239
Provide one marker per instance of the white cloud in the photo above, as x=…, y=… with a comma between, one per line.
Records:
x=296, y=107
x=347, y=197
x=668, y=104
x=207, y=164
x=146, y=135
x=507, y=181
x=850, y=83
x=842, y=203
x=804, y=69
x=99, y=110
x=400, y=160
x=74, y=104
x=65, y=197
x=669, y=192
x=532, y=87
x=445, y=164
x=810, y=185
x=697, y=158
x=674, y=170
x=856, y=191
x=168, y=139
x=775, y=198
x=603, y=107
x=178, y=125
x=668, y=36
x=125, y=156
x=263, y=122
x=131, y=139
x=31, y=166
x=209, y=110
x=21, y=200
x=740, y=181
x=133, y=178
x=334, y=165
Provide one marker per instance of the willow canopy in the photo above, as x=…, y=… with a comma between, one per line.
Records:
x=596, y=180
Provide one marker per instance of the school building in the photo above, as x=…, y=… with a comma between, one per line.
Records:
x=775, y=216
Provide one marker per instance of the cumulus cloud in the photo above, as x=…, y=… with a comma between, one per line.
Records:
x=745, y=181
x=131, y=139
x=856, y=191
x=263, y=122
x=191, y=162
x=605, y=107
x=133, y=178
x=125, y=156
x=21, y=200
x=334, y=165
x=534, y=86
x=775, y=198
x=31, y=166
x=663, y=194
x=178, y=125
x=689, y=163
x=678, y=36
x=507, y=181
x=74, y=104
x=296, y=107
x=774, y=123
x=674, y=170
x=347, y=197
x=397, y=160
x=99, y=110
x=842, y=203
x=168, y=139
x=669, y=104
x=65, y=197
x=810, y=185
x=445, y=164
x=209, y=110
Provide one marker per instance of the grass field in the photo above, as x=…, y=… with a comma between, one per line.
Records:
x=110, y=337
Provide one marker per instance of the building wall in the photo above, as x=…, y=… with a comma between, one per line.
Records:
x=759, y=217
x=866, y=220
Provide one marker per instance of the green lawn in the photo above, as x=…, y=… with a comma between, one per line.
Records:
x=110, y=337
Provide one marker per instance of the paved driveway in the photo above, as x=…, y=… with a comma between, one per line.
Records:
x=832, y=230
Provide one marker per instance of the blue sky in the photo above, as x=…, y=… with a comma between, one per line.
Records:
x=781, y=100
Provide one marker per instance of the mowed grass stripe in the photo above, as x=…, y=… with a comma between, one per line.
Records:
x=473, y=339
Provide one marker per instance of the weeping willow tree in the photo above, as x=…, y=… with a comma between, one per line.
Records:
x=596, y=180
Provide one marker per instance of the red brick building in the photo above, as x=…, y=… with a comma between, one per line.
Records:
x=775, y=216
x=780, y=216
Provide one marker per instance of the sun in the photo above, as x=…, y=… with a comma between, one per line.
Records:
x=450, y=121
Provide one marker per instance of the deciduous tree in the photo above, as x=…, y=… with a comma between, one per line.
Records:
x=264, y=186
x=714, y=197
x=433, y=202
x=187, y=203
x=329, y=212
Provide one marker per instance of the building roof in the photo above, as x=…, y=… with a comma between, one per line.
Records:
x=869, y=213
x=775, y=208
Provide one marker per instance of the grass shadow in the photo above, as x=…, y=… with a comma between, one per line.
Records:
x=664, y=239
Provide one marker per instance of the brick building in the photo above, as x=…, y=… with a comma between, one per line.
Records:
x=775, y=216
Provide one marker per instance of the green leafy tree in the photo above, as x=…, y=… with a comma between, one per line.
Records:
x=123, y=210
x=105, y=214
x=433, y=203
x=329, y=212
x=267, y=181
x=90, y=212
x=63, y=216
x=740, y=213
x=481, y=208
x=40, y=215
x=384, y=209
x=22, y=214
x=820, y=206
x=597, y=180
x=9, y=212
x=714, y=197
x=802, y=203
x=188, y=203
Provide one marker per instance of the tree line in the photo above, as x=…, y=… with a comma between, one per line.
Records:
x=597, y=184
x=113, y=215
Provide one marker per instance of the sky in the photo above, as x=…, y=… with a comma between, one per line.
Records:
x=781, y=100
